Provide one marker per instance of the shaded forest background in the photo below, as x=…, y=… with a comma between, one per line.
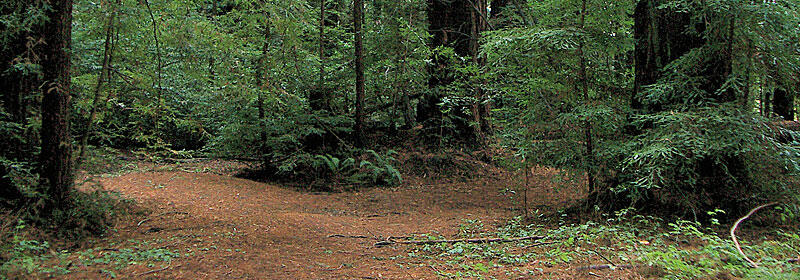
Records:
x=666, y=106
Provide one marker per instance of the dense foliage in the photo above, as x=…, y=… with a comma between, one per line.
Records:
x=557, y=82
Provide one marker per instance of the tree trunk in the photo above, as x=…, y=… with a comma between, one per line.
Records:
x=56, y=168
x=661, y=37
x=321, y=44
x=320, y=98
x=159, y=69
x=783, y=104
x=105, y=73
x=405, y=101
x=482, y=107
x=263, y=86
x=450, y=24
x=584, y=82
x=358, y=19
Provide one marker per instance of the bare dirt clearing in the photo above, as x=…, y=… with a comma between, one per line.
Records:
x=232, y=228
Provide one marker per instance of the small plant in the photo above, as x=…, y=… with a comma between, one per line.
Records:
x=22, y=255
x=379, y=170
x=336, y=170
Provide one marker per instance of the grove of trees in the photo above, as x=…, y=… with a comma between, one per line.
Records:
x=680, y=106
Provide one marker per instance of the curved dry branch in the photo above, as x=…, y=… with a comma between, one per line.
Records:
x=736, y=225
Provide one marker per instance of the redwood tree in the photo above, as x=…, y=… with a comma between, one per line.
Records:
x=450, y=25
x=56, y=166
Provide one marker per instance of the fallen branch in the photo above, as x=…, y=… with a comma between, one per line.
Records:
x=540, y=244
x=159, y=215
x=604, y=266
x=392, y=240
x=604, y=258
x=156, y=270
x=347, y=236
x=736, y=225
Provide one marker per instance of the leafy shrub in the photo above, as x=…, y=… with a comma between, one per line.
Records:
x=708, y=158
x=379, y=170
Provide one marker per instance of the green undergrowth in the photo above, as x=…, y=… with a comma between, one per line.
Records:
x=40, y=259
x=627, y=244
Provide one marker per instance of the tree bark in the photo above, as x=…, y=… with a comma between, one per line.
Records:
x=56, y=166
x=358, y=19
x=482, y=107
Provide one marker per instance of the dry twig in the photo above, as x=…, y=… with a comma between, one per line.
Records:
x=159, y=215
x=156, y=270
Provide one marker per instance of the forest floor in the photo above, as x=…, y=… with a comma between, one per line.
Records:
x=198, y=220
x=204, y=223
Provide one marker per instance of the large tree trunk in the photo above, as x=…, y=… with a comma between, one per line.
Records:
x=661, y=38
x=56, y=166
x=358, y=19
x=450, y=24
x=482, y=107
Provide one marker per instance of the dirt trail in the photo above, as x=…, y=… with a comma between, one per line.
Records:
x=241, y=229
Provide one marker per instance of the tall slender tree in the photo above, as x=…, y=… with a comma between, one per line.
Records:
x=105, y=74
x=584, y=84
x=262, y=82
x=358, y=19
